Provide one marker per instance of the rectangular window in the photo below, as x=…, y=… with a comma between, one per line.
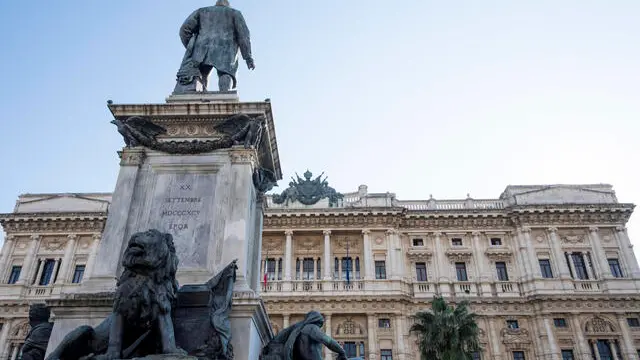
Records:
x=501, y=268
x=614, y=265
x=604, y=350
x=350, y=349
x=545, y=268
x=307, y=269
x=456, y=242
x=633, y=322
x=386, y=354
x=421, y=271
x=461, y=271
x=418, y=242
x=271, y=269
x=47, y=272
x=518, y=355
x=78, y=273
x=513, y=324
x=384, y=323
x=15, y=274
x=496, y=242
x=560, y=322
x=581, y=267
x=476, y=355
x=567, y=354
x=381, y=270
x=347, y=265
x=280, y=269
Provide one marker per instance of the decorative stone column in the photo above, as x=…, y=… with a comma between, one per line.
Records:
x=372, y=349
x=600, y=257
x=496, y=351
x=92, y=255
x=328, y=354
x=369, y=272
x=533, y=257
x=522, y=246
x=392, y=263
x=288, y=255
x=7, y=249
x=586, y=260
x=633, y=268
x=4, y=348
x=551, y=338
x=67, y=259
x=627, y=347
x=594, y=347
x=56, y=268
x=40, y=268
x=399, y=330
x=14, y=353
x=572, y=266
x=285, y=321
x=327, y=254
x=27, y=265
x=584, y=352
x=558, y=255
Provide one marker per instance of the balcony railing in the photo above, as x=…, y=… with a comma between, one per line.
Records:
x=586, y=285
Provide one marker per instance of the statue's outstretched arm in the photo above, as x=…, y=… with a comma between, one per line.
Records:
x=189, y=27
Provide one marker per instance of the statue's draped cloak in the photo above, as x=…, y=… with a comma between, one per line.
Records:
x=213, y=35
x=37, y=340
x=289, y=335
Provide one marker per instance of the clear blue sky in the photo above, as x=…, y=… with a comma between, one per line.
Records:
x=412, y=97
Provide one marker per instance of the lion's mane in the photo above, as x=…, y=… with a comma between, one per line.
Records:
x=143, y=294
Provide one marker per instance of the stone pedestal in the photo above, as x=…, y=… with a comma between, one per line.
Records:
x=207, y=201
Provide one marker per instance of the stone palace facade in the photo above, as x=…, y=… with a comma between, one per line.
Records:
x=549, y=269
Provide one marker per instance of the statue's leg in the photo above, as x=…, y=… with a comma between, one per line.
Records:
x=167, y=335
x=224, y=81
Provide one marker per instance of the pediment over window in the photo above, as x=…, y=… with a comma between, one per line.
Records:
x=350, y=328
x=599, y=325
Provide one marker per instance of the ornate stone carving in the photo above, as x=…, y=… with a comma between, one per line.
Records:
x=132, y=156
x=307, y=191
x=414, y=254
x=599, y=325
x=515, y=339
x=573, y=239
x=272, y=245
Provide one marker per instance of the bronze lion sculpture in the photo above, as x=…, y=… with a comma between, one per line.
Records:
x=141, y=322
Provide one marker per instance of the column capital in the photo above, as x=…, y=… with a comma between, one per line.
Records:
x=36, y=237
x=96, y=237
x=525, y=229
x=476, y=233
x=326, y=232
x=438, y=233
x=621, y=228
x=392, y=231
x=552, y=229
x=72, y=236
x=366, y=231
x=593, y=229
x=288, y=232
x=10, y=238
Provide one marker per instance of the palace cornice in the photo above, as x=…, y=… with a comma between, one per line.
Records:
x=333, y=219
x=53, y=222
x=606, y=214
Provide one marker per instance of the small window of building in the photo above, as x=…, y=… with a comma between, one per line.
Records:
x=518, y=355
x=15, y=274
x=418, y=242
x=456, y=241
x=560, y=322
x=78, y=273
x=567, y=355
x=385, y=354
x=545, y=268
x=476, y=355
x=381, y=270
x=461, y=271
x=496, y=242
x=633, y=322
x=384, y=323
x=47, y=272
x=513, y=324
x=501, y=268
x=616, y=270
x=421, y=271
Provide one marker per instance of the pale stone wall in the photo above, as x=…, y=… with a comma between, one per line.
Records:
x=573, y=310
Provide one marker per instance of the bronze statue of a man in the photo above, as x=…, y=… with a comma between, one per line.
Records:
x=302, y=341
x=212, y=36
x=35, y=345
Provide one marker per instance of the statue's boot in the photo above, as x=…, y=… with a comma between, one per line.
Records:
x=224, y=82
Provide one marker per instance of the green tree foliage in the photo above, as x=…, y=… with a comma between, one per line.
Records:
x=446, y=332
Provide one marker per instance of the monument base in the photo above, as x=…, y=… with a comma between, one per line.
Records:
x=250, y=328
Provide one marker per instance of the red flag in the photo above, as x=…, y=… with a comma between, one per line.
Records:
x=266, y=271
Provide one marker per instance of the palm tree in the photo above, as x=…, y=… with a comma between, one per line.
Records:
x=445, y=332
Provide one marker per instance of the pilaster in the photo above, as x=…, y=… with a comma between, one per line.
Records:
x=369, y=271
x=372, y=336
x=327, y=254
x=600, y=257
x=67, y=259
x=633, y=268
x=328, y=355
x=627, y=347
x=7, y=249
x=27, y=266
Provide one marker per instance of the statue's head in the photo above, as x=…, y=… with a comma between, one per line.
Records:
x=151, y=251
x=38, y=314
x=222, y=3
x=314, y=317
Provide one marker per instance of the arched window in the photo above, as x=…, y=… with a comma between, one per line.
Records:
x=280, y=269
x=336, y=268
x=347, y=266
x=357, y=268
x=319, y=269
x=297, y=268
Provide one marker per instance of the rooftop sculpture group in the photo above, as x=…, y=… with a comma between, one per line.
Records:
x=307, y=191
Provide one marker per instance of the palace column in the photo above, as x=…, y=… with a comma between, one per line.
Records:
x=4, y=348
x=56, y=268
x=28, y=261
x=572, y=266
x=551, y=337
x=328, y=354
x=627, y=347
x=400, y=337
x=67, y=259
x=7, y=248
x=495, y=341
x=558, y=257
x=584, y=351
x=600, y=257
x=369, y=272
x=40, y=268
x=285, y=321
x=92, y=255
x=371, y=336
x=288, y=255
x=633, y=268
x=533, y=257
x=327, y=254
